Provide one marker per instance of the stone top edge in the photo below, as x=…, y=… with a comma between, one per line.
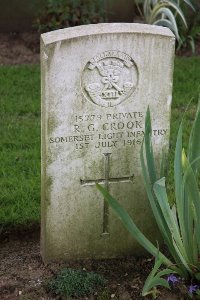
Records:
x=103, y=28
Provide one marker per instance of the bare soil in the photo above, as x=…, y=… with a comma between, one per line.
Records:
x=19, y=48
x=23, y=48
x=23, y=274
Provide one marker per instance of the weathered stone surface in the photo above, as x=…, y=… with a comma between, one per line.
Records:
x=97, y=81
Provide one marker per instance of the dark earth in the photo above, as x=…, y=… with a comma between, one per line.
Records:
x=23, y=274
x=23, y=48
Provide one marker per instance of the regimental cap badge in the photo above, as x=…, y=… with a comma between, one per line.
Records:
x=109, y=78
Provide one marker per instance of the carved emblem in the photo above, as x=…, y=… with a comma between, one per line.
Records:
x=109, y=78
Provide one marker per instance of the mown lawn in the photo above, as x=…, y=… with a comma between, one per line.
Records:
x=19, y=144
x=20, y=134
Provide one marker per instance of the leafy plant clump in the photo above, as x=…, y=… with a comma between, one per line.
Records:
x=67, y=13
x=75, y=283
x=190, y=35
x=179, y=224
x=164, y=13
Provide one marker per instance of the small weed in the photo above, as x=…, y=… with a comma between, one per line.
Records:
x=76, y=283
x=67, y=13
x=104, y=295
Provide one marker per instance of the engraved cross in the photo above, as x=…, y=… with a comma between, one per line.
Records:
x=106, y=181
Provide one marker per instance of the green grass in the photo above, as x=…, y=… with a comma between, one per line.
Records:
x=20, y=134
x=19, y=145
x=186, y=88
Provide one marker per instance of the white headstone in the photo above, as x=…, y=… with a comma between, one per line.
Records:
x=97, y=81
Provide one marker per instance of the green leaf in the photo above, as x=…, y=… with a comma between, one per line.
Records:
x=161, y=194
x=153, y=202
x=130, y=226
x=159, y=282
x=166, y=14
x=189, y=3
x=192, y=44
x=154, y=279
x=178, y=250
x=158, y=214
x=168, y=24
x=179, y=185
x=194, y=141
x=173, y=4
x=148, y=148
x=191, y=187
x=165, y=272
x=188, y=217
x=163, y=164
